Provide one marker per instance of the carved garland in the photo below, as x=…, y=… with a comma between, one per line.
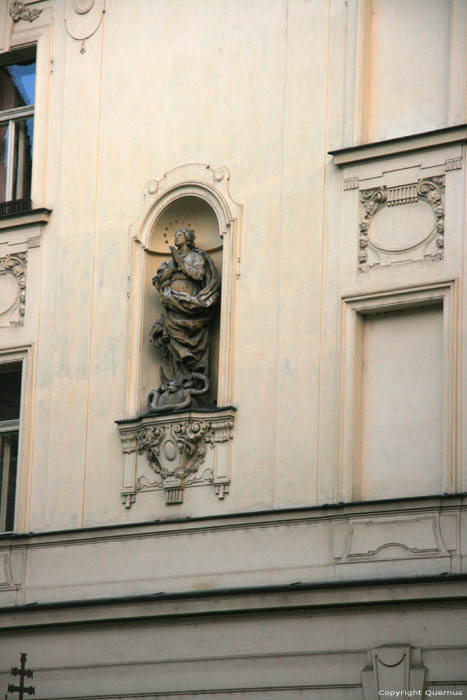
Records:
x=429, y=190
x=19, y=11
x=16, y=265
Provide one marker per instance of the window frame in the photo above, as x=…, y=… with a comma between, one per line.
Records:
x=10, y=428
x=27, y=37
x=20, y=355
x=11, y=117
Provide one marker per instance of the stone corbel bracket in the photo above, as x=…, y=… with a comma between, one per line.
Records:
x=429, y=245
x=175, y=451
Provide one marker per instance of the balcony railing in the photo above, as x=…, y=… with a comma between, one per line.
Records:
x=15, y=206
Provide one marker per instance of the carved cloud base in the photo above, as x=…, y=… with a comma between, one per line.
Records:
x=175, y=451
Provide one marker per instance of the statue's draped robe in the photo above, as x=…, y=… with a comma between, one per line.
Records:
x=188, y=296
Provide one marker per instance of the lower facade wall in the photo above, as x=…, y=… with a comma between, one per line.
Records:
x=315, y=653
x=329, y=603
x=380, y=540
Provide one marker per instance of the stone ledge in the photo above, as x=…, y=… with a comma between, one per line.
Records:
x=433, y=590
x=310, y=548
x=398, y=146
x=263, y=518
x=33, y=217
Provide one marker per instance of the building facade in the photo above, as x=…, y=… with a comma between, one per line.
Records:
x=301, y=532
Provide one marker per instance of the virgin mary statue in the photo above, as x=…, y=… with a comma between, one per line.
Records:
x=189, y=292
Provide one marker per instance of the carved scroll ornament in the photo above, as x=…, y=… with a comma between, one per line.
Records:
x=430, y=244
x=18, y=11
x=174, y=453
x=14, y=306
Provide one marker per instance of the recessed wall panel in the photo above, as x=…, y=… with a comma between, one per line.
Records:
x=407, y=72
x=401, y=403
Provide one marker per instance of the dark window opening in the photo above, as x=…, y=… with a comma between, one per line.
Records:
x=10, y=399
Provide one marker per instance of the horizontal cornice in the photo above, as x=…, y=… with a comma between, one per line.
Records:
x=239, y=519
x=298, y=597
x=400, y=145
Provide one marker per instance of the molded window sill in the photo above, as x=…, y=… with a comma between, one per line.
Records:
x=25, y=218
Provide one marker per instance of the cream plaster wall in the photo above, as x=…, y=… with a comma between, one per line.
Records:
x=265, y=90
x=409, y=55
x=308, y=656
x=344, y=307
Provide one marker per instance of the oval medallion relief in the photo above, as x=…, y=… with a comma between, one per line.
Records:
x=83, y=6
x=9, y=292
x=170, y=450
x=401, y=227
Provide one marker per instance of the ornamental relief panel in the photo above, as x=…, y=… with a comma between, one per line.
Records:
x=18, y=11
x=171, y=453
x=396, y=536
x=183, y=280
x=83, y=19
x=402, y=224
x=13, y=289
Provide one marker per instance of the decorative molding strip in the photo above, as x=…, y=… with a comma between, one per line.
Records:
x=15, y=265
x=6, y=578
x=453, y=163
x=430, y=245
x=174, y=451
x=19, y=11
x=367, y=539
x=351, y=183
x=401, y=195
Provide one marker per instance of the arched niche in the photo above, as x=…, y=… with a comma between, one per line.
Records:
x=193, y=212
x=196, y=196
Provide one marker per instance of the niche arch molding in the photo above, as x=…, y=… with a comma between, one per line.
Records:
x=211, y=186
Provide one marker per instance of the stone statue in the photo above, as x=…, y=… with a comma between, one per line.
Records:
x=189, y=292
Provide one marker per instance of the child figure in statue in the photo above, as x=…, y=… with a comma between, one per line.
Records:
x=189, y=291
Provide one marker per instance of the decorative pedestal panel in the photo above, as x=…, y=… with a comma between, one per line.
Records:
x=394, y=669
x=175, y=451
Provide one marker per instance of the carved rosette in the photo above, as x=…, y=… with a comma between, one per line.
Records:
x=174, y=452
x=429, y=245
x=13, y=297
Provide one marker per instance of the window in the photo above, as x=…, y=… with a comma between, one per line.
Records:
x=10, y=396
x=17, y=87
